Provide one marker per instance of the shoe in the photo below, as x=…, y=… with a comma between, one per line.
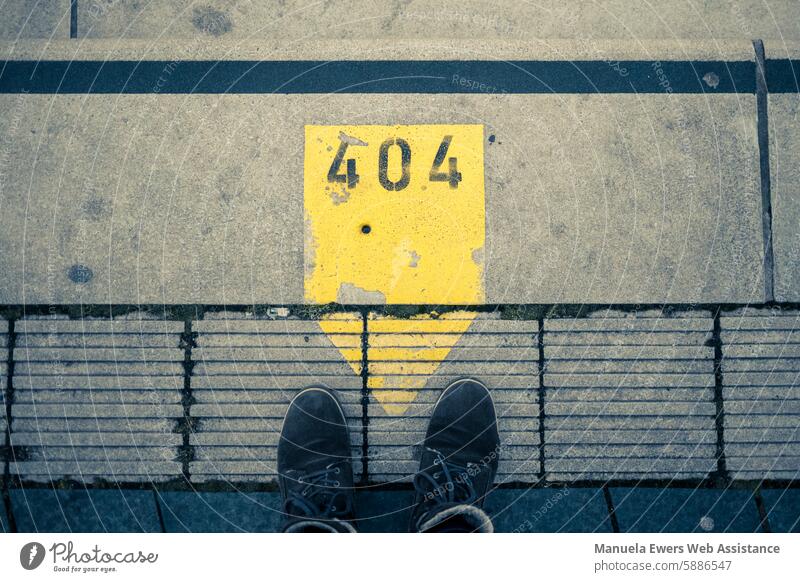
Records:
x=459, y=462
x=315, y=467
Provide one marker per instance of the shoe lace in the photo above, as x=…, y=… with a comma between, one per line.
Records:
x=320, y=496
x=445, y=482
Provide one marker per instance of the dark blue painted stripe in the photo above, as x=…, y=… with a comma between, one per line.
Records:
x=783, y=76
x=285, y=77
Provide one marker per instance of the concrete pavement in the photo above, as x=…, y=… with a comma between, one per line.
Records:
x=632, y=199
x=155, y=310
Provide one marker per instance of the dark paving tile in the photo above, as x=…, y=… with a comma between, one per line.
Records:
x=381, y=511
x=79, y=510
x=221, y=512
x=574, y=510
x=3, y=518
x=641, y=509
x=783, y=509
x=384, y=511
x=548, y=510
x=387, y=511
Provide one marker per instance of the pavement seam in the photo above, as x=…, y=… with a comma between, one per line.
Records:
x=762, y=112
x=763, y=517
x=186, y=425
x=159, y=513
x=612, y=512
x=365, y=391
x=9, y=396
x=510, y=311
x=540, y=345
x=721, y=476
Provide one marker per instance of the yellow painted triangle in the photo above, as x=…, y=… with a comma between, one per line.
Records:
x=345, y=330
x=403, y=353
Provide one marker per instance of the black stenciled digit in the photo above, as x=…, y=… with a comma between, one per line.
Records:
x=333, y=173
x=383, y=164
x=453, y=176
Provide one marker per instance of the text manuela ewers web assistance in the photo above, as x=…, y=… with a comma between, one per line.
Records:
x=706, y=548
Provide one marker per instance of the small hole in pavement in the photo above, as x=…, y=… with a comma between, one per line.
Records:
x=366, y=229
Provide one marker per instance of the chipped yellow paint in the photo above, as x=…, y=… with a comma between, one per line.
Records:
x=418, y=242
x=402, y=359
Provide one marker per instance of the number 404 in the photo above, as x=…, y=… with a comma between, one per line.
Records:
x=351, y=177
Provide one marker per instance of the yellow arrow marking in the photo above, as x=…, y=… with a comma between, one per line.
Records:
x=344, y=330
x=404, y=353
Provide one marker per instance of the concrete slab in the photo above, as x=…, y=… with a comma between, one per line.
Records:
x=783, y=509
x=549, y=510
x=671, y=509
x=760, y=367
x=173, y=198
x=625, y=226
x=629, y=395
x=449, y=19
x=46, y=21
x=82, y=510
x=92, y=404
x=407, y=375
x=220, y=512
x=247, y=372
x=160, y=243
x=784, y=131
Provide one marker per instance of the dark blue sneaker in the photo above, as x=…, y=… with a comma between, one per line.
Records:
x=459, y=462
x=315, y=467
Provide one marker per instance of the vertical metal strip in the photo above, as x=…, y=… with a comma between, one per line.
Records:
x=9, y=398
x=542, y=392
x=721, y=474
x=187, y=424
x=365, y=397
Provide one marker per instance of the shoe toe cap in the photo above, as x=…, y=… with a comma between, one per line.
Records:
x=465, y=411
x=315, y=423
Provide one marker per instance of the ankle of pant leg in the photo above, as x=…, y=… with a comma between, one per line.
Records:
x=474, y=518
x=318, y=526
